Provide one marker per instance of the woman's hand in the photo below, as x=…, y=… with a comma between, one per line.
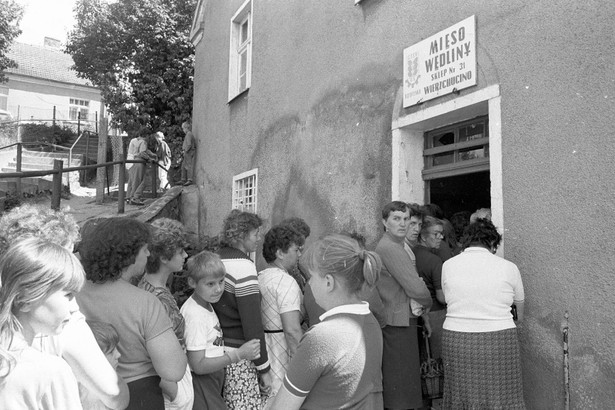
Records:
x=250, y=350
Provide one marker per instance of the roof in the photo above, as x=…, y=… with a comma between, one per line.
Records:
x=44, y=63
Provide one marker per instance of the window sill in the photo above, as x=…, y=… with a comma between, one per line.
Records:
x=236, y=97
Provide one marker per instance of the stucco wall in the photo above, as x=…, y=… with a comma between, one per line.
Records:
x=317, y=123
x=35, y=98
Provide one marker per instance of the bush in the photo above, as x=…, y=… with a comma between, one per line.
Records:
x=47, y=133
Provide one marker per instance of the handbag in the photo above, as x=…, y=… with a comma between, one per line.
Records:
x=432, y=374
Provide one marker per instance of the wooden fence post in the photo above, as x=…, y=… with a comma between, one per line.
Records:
x=57, y=184
x=102, y=157
x=121, y=203
x=18, y=169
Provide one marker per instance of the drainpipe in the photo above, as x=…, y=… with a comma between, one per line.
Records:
x=566, y=364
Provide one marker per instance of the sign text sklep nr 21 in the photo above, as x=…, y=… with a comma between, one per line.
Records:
x=441, y=64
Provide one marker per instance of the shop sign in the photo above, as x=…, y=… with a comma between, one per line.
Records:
x=441, y=64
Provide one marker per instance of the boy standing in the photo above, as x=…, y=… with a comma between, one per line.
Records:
x=189, y=149
x=207, y=355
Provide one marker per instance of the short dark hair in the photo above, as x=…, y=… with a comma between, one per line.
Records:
x=280, y=237
x=481, y=233
x=111, y=246
x=394, y=207
x=415, y=210
x=168, y=236
x=298, y=224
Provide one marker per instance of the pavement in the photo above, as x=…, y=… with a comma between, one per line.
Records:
x=82, y=205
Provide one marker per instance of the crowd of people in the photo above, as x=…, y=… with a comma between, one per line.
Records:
x=88, y=320
x=153, y=152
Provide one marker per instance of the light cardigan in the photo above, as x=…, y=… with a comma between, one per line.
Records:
x=399, y=282
x=480, y=288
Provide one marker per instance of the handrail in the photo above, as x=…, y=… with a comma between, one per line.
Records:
x=56, y=195
x=33, y=143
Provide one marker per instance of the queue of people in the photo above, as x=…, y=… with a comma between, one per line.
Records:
x=331, y=326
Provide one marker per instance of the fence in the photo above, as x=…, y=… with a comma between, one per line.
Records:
x=58, y=170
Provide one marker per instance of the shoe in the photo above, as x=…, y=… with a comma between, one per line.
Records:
x=188, y=182
x=136, y=202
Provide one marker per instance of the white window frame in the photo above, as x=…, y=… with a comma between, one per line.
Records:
x=77, y=106
x=245, y=191
x=238, y=48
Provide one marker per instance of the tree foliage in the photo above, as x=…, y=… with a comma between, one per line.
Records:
x=139, y=54
x=10, y=16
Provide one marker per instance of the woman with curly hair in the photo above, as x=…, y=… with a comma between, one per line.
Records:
x=39, y=280
x=338, y=363
x=114, y=251
x=239, y=311
x=76, y=344
x=167, y=256
x=281, y=299
x=480, y=349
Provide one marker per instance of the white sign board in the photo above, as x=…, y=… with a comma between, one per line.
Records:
x=441, y=64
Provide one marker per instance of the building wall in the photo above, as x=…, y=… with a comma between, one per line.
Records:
x=316, y=122
x=34, y=98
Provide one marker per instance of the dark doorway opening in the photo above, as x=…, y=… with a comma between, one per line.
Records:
x=467, y=192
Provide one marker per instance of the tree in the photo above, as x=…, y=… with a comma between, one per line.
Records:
x=139, y=54
x=10, y=16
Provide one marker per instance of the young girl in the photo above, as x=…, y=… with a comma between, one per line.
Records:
x=39, y=280
x=338, y=361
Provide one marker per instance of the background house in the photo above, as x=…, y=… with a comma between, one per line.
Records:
x=44, y=80
x=299, y=111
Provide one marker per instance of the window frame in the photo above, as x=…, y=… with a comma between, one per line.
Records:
x=238, y=199
x=237, y=49
x=458, y=166
x=80, y=107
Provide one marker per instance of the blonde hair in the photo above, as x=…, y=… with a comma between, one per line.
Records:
x=203, y=264
x=344, y=258
x=30, y=271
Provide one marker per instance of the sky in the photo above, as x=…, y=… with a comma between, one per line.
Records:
x=45, y=18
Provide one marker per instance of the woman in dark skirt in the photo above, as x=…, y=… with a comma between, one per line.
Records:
x=480, y=347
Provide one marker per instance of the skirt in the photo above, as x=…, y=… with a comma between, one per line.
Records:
x=482, y=371
x=401, y=367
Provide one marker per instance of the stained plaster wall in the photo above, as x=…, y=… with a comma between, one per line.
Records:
x=316, y=122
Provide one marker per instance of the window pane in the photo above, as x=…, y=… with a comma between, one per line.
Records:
x=447, y=138
x=244, y=32
x=472, y=132
x=473, y=153
x=3, y=102
x=442, y=159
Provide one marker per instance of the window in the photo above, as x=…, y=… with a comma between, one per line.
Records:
x=240, y=61
x=78, y=109
x=4, y=98
x=458, y=149
x=245, y=188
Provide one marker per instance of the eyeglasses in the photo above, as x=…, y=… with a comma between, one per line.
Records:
x=437, y=235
